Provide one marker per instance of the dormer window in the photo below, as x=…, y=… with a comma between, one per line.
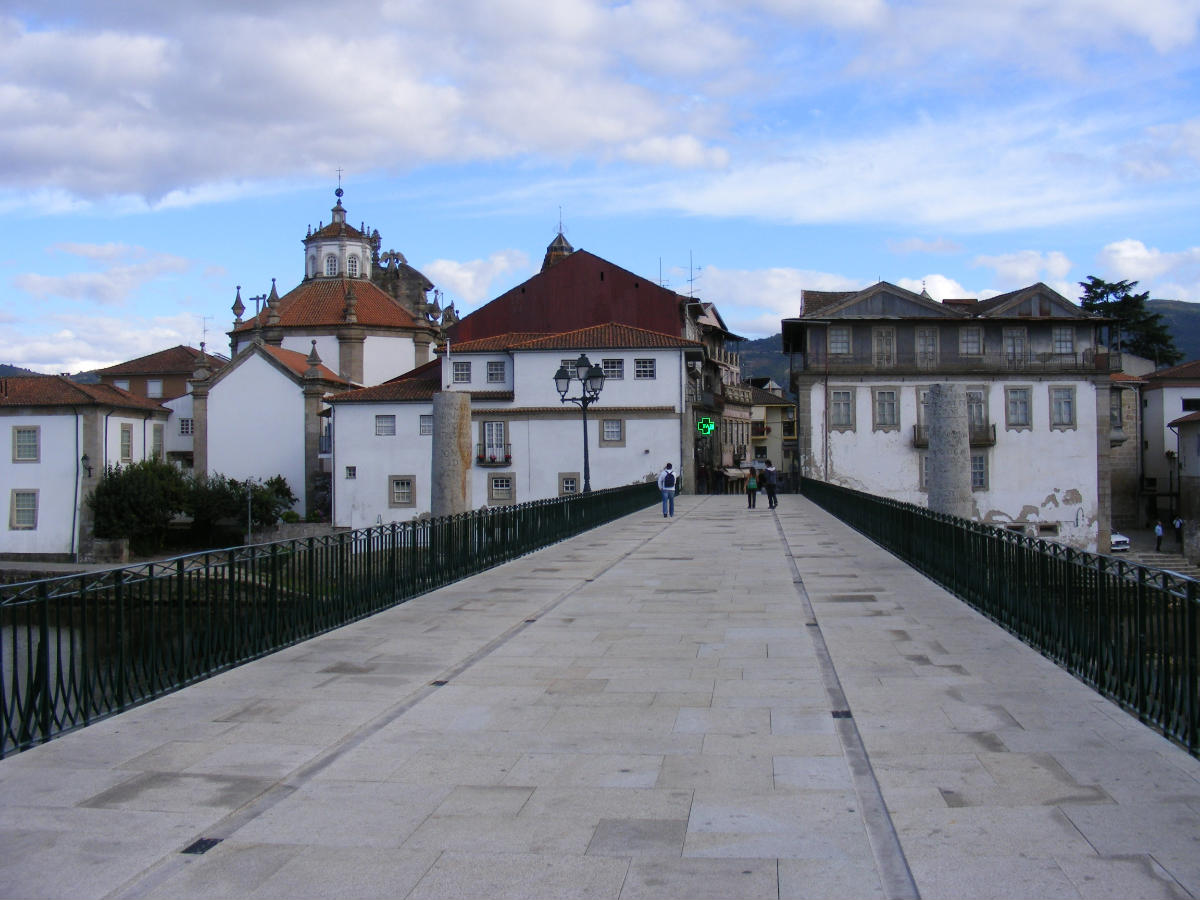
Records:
x=352, y=266
x=331, y=264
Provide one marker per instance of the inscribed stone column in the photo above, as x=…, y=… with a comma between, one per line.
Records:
x=450, y=472
x=948, y=465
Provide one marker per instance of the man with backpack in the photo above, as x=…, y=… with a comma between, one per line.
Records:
x=666, y=484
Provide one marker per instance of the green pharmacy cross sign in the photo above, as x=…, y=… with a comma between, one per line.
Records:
x=706, y=426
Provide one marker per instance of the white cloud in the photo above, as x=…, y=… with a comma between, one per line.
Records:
x=752, y=301
x=111, y=285
x=1133, y=260
x=1027, y=266
x=81, y=343
x=681, y=151
x=939, y=287
x=472, y=281
x=920, y=245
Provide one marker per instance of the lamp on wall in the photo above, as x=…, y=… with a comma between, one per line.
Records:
x=85, y=462
x=591, y=382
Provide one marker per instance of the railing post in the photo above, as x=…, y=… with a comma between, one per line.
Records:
x=42, y=678
x=1190, y=669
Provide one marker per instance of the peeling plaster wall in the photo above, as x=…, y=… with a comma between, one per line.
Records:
x=1037, y=476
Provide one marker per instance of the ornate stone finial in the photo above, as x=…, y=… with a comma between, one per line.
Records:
x=350, y=311
x=273, y=297
x=434, y=310
x=238, y=307
x=273, y=306
x=313, y=359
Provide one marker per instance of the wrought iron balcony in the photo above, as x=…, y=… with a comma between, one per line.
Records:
x=493, y=455
x=978, y=435
x=950, y=363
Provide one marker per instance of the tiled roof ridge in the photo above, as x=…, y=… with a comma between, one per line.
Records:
x=298, y=362
x=566, y=336
x=30, y=390
x=169, y=359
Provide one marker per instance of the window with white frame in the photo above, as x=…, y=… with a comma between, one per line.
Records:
x=886, y=409
x=643, y=368
x=187, y=426
x=351, y=472
x=427, y=424
x=976, y=409
x=462, y=371
x=126, y=442
x=839, y=340
x=614, y=369
x=352, y=266
x=568, y=483
x=970, y=340
x=502, y=489
x=1062, y=407
x=495, y=372
x=154, y=388
x=23, y=510
x=156, y=442
x=612, y=433
x=385, y=425
x=1016, y=408
x=1063, y=337
x=979, y=472
x=494, y=447
x=331, y=264
x=841, y=409
x=402, y=490
x=26, y=443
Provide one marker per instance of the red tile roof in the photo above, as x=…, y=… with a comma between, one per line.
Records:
x=612, y=336
x=1183, y=420
x=179, y=360
x=322, y=302
x=1188, y=371
x=56, y=390
x=298, y=362
x=419, y=384
x=497, y=342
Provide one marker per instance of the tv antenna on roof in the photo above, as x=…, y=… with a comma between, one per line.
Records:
x=204, y=329
x=693, y=275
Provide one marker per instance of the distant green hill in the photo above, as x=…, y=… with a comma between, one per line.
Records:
x=1183, y=321
x=7, y=371
x=764, y=358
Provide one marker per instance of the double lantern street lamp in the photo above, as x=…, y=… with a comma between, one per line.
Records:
x=591, y=383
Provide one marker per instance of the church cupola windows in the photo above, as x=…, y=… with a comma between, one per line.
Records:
x=352, y=266
x=331, y=265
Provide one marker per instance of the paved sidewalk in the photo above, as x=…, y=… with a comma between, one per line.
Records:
x=733, y=703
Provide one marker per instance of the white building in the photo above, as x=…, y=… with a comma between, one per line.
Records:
x=260, y=416
x=1037, y=385
x=528, y=443
x=62, y=435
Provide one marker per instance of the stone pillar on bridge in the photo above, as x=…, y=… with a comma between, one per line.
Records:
x=948, y=463
x=450, y=485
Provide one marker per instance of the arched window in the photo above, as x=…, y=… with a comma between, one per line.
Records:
x=352, y=266
x=331, y=264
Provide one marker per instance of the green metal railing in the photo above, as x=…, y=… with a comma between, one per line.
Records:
x=1129, y=631
x=79, y=648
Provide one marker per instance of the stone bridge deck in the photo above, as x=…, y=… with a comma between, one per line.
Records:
x=733, y=703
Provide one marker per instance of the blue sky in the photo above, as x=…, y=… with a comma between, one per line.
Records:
x=155, y=156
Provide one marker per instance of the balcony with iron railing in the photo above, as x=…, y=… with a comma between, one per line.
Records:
x=901, y=363
x=493, y=455
x=979, y=434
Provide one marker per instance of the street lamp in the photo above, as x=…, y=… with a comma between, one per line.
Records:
x=591, y=382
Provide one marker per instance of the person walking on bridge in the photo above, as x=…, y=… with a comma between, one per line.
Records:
x=666, y=485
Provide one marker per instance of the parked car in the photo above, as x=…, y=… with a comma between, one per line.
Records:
x=1118, y=542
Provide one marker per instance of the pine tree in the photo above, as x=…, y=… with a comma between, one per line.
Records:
x=1137, y=330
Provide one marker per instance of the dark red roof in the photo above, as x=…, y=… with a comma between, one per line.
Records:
x=179, y=360
x=1188, y=371
x=322, y=302
x=578, y=291
x=56, y=390
x=496, y=342
x=611, y=335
